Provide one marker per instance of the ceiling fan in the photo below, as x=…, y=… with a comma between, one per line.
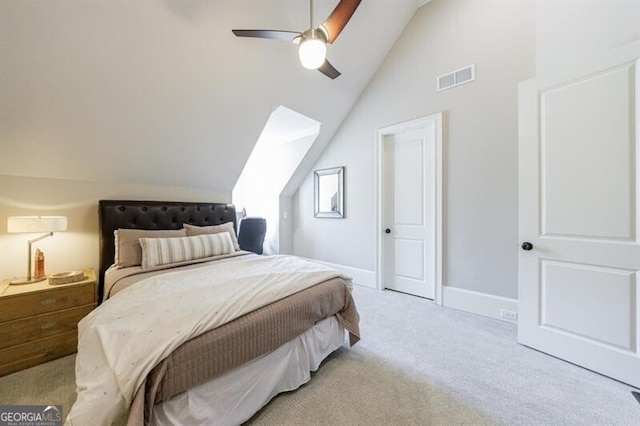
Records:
x=312, y=43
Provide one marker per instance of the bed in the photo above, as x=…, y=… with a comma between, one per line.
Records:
x=260, y=324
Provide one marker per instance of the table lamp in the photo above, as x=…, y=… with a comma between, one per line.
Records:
x=33, y=224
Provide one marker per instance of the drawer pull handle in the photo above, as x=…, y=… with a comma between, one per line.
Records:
x=49, y=301
x=48, y=325
x=48, y=351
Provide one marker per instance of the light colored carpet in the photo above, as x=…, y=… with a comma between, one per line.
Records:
x=416, y=364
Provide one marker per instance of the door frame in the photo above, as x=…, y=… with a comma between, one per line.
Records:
x=437, y=174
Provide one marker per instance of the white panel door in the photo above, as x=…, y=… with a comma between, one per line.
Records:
x=578, y=221
x=409, y=210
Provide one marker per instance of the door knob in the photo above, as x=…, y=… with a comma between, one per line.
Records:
x=526, y=246
x=387, y=231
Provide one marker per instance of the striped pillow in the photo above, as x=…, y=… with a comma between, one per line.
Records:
x=127, y=244
x=164, y=251
x=212, y=229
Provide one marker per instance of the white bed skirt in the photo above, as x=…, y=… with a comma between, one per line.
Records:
x=237, y=395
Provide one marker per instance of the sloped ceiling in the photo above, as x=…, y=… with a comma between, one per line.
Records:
x=161, y=92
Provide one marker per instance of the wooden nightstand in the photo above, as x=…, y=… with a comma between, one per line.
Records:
x=39, y=322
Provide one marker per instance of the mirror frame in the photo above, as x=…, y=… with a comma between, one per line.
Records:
x=339, y=213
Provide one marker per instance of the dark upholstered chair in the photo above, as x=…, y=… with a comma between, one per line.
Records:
x=251, y=234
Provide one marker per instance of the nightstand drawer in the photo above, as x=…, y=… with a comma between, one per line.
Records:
x=37, y=327
x=40, y=302
x=29, y=354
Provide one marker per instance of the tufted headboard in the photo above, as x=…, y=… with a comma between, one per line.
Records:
x=115, y=214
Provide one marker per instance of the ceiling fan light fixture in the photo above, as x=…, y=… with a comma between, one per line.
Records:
x=312, y=51
x=312, y=43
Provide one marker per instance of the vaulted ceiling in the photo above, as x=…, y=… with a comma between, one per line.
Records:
x=161, y=91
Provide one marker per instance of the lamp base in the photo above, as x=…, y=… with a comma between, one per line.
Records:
x=26, y=281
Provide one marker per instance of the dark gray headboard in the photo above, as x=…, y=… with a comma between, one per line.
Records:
x=115, y=214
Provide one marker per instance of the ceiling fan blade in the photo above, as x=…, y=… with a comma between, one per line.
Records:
x=338, y=19
x=328, y=70
x=271, y=34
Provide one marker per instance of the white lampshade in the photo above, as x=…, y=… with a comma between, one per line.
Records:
x=26, y=224
x=312, y=53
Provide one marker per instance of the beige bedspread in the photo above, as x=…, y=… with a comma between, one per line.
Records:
x=252, y=306
x=233, y=344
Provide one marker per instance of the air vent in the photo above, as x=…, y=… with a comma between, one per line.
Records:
x=446, y=81
x=456, y=78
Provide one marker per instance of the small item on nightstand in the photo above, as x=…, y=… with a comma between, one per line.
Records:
x=39, y=264
x=67, y=277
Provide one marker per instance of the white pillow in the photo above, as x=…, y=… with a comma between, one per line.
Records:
x=164, y=251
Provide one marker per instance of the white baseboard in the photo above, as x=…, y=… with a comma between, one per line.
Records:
x=452, y=297
x=479, y=303
x=360, y=276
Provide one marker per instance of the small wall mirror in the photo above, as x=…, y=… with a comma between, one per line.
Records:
x=329, y=192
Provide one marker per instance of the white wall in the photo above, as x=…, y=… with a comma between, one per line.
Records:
x=286, y=225
x=266, y=173
x=574, y=38
x=78, y=200
x=161, y=92
x=480, y=142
